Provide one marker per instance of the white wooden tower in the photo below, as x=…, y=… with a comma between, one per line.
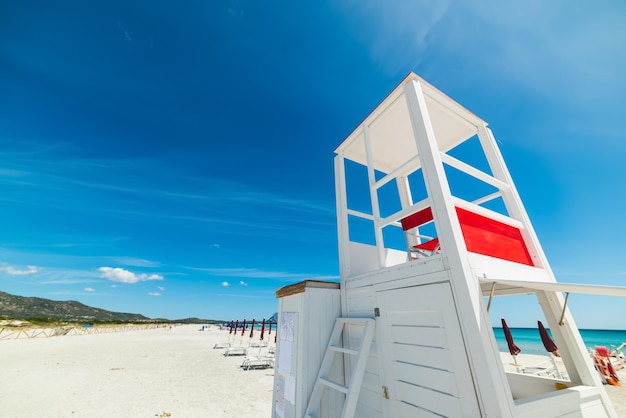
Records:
x=435, y=239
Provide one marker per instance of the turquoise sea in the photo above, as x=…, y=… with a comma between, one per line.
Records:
x=528, y=340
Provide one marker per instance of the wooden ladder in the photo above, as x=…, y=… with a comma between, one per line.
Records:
x=358, y=370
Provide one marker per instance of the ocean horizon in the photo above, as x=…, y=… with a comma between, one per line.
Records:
x=529, y=341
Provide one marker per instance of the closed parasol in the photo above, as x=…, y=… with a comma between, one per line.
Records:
x=550, y=348
x=513, y=349
x=252, y=329
x=547, y=340
x=262, y=330
x=243, y=328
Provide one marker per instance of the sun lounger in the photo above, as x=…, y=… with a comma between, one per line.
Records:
x=257, y=362
x=235, y=351
x=222, y=345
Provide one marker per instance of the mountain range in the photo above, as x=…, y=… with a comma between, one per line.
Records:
x=21, y=307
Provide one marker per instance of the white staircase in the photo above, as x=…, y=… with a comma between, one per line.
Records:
x=335, y=346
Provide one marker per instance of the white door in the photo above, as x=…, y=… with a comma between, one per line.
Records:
x=423, y=355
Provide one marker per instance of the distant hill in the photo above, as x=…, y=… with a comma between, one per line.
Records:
x=19, y=307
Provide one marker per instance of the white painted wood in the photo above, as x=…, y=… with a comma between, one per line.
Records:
x=414, y=272
x=511, y=198
x=367, y=216
x=474, y=172
x=487, y=198
x=309, y=345
x=560, y=287
x=342, y=216
x=371, y=176
x=468, y=301
x=412, y=129
x=406, y=211
x=419, y=332
x=359, y=355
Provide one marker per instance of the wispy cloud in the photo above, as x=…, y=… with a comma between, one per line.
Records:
x=242, y=283
x=225, y=284
x=89, y=289
x=571, y=57
x=261, y=274
x=161, y=288
x=154, y=294
x=400, y=23
x=135, y=262
x=121, y=275
x=17, y=272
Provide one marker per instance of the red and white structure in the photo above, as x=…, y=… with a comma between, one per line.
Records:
x=437, y=238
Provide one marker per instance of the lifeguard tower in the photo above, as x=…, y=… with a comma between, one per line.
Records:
x=420, y=261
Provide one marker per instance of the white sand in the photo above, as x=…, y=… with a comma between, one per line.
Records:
x=130, y=374
x=149, y=373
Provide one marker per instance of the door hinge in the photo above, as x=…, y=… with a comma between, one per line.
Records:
x=376, y=311
x=385, y=392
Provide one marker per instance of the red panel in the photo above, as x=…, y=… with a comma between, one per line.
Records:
x=417, y=219
x=490, y=237
x=428, y=245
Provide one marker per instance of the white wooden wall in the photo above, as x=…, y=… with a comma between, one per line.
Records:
x=316, y=310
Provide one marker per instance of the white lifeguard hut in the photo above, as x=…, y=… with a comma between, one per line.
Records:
x=420, y=261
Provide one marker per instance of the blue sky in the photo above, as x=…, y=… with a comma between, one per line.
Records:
x=175, y=158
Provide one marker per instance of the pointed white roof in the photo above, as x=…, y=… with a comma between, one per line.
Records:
x=390, y=129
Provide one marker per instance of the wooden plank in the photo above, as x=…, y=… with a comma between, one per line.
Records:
x=406, y=410
x=435, y=379
x=371, y=399
x=372, y=365
x=427, y=356
x=353, y=343
x=423, y=336
x=364, y=411
x=360, y=299
x=371, y=382
x=437, y=402
x=426, y=318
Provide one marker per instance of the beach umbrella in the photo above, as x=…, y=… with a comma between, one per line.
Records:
x=547, y=341
x=252, y=329
x=270, y=328
x=243, y=328
x=550, y=348
x=513, y=349
x=262, y=330
x=230, y=327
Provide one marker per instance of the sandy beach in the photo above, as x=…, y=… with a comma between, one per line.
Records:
x=148, y=373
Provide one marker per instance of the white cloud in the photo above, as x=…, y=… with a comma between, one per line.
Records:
x=161, y=288
x=121, y=275
x=225, y=284
x=242, y=283
x=90, y=289
x=15, y=272
x=154, y=294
